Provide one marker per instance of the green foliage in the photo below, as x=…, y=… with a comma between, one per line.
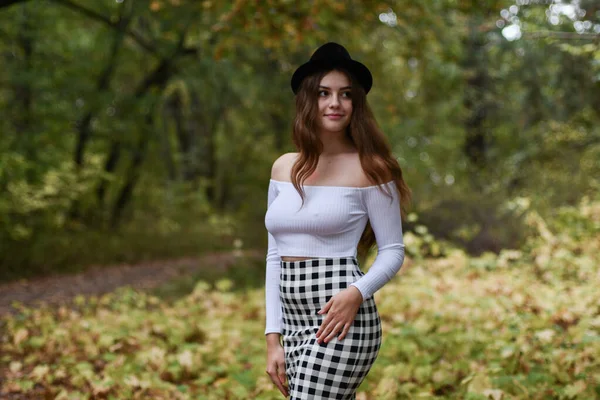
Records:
x=119, y=119
x=28, y=205
x=519, y=325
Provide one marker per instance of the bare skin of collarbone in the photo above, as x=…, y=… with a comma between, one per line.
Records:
x=332, y=170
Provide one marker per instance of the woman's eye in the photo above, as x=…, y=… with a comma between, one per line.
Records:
x=323, y=93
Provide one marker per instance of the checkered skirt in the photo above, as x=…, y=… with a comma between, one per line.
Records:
x=332, y=370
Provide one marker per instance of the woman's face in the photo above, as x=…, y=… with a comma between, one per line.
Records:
x=335, y=103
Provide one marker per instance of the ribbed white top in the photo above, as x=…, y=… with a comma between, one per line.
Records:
x=330, y=224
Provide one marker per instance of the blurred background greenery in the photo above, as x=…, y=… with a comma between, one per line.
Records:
x=142, y=130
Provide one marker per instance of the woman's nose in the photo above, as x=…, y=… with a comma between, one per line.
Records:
x=334, y=101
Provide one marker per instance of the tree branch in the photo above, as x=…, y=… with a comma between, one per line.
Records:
x=561, y=35
x=6, y=3
x=105, y=20
x=158, y=77
x=143, y=43
x=83, y=125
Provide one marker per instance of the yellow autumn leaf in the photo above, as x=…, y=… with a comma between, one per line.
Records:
x=155, y=6
x=15, y=366
x=20, y=336
x=545, y=335
x=39, y=372
x=185, y=359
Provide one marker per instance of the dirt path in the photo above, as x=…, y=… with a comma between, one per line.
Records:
x=103, y=279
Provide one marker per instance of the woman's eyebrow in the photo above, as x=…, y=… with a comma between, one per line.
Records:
x=328, y=88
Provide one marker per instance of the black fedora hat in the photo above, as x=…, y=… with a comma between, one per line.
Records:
x=327, y=57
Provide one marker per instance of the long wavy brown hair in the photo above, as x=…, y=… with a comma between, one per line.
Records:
x=374, y=151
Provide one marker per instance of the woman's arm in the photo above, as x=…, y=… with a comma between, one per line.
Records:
x=384, y=216
x=273, y=265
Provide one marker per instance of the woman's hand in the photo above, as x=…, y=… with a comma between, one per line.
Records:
x=341, y=310
x=276, y=365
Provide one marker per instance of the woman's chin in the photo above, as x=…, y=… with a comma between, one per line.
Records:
x=334, y=127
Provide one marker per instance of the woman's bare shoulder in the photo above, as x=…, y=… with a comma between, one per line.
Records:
x=282, y=166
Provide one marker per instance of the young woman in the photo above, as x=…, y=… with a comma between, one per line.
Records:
x=333, y=199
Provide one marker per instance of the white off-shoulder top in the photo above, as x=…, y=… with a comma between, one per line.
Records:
x=330, y=224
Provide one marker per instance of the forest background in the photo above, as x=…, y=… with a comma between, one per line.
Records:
x=133, y=131
x=147, y=129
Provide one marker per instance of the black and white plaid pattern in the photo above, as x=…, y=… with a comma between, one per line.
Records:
x=332, y=370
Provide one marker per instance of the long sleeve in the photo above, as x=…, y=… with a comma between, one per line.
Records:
x=385, y=219
x=273, y=266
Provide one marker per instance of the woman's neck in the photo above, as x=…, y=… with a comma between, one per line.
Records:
x=335, y=143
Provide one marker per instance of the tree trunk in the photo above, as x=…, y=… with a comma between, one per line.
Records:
x=207, y=153
x=133, y=173
x=109, y=167
x=83, y=125
x=165, y=145
x=103, y=84
x=477, y=134
x=22, y=89
x=185, y=133
x=159, y=76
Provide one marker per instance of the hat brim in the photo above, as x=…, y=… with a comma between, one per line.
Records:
x=358, y=69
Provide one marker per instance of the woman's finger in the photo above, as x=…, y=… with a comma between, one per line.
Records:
x=324, y=325
x=345, y=331
x=276, y=382
x=325, y=328
x=283, y=377
x=326, y=308
x=273, y=370
x=338, y=327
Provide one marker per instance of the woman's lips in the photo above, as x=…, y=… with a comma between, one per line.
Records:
x=334, y=116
